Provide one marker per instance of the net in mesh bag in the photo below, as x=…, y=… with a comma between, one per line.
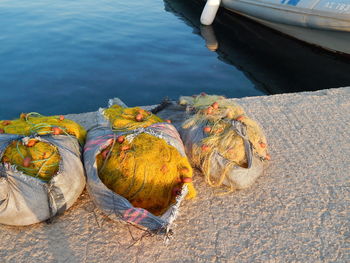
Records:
x=26, y=199
x=41, y=173
x=127, y=178
x=220, y=139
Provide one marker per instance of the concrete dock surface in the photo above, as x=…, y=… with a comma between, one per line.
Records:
x=298, y=211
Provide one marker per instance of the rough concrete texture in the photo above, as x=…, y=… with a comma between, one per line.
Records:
x=298, y=211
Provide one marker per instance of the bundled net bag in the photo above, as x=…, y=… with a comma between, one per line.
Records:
x=136, y=167
x=221, y=140
x=41, y=173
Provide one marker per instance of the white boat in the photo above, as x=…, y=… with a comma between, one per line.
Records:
x=325, y=23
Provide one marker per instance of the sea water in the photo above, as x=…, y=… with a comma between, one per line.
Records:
x=59, y=57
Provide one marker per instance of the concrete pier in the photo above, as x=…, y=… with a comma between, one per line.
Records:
x=298, y=211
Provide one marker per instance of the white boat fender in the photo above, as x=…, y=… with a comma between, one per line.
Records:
x=208, y=34
x=209, y=12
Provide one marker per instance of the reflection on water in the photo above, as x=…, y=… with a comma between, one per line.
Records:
x=208, y=33
x=275, y=63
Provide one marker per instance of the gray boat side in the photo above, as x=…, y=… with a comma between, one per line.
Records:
x=315, y=14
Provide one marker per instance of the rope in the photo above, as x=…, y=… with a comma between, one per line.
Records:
x=19, y=151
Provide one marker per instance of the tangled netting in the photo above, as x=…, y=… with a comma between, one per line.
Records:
x=36, y=124
x=30, y=155
x=124, y=119
x=220, y=137
x=36, y=158
x=41, y=173
x=142, y=167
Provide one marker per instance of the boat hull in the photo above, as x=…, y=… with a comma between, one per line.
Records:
x=328, y=30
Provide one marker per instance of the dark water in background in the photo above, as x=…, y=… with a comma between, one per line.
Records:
x=60, y=57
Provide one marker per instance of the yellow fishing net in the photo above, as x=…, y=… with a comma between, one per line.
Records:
x=34, y=123
x=130, y=118
x=216, y=114
x=145, y=170
x=35, y=158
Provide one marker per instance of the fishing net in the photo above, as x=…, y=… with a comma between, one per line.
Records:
x=34, y=158
x=35, y=123
x=146, y=171
x=221, y=140
x=41, y=174
x=125, y=119
x=141, y=160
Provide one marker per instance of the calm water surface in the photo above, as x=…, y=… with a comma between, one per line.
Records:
x=71, y=56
